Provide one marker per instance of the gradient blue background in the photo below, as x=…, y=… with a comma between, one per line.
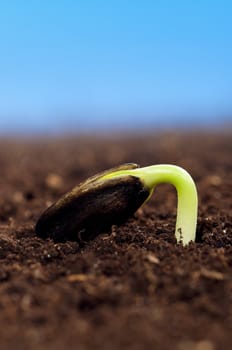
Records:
x=85, y=64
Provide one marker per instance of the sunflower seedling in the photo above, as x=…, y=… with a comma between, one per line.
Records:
x=111, y=197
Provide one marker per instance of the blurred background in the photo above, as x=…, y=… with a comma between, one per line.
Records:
x=73, y=66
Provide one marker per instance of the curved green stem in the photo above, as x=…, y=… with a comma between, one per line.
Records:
x=187, y=201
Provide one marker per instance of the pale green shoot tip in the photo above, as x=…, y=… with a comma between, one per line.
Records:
x=187, y=201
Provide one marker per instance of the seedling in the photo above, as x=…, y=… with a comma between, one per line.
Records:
x=112, y=196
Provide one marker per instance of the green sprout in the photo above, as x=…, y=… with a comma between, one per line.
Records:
x=112, y=196
x=187, y=200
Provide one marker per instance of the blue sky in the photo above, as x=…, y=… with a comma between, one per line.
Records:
x=102, y=63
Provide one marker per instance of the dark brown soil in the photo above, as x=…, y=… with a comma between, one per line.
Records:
x=133, y=288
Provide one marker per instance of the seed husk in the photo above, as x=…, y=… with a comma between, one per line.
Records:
x=93, y=207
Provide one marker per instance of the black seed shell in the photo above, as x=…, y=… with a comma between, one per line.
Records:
x=92, y=208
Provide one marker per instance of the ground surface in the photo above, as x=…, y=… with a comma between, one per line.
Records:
x=133, y=288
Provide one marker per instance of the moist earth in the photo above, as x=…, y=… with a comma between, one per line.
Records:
x=132, y=287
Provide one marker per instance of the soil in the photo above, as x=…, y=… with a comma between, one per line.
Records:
x=133, y=287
